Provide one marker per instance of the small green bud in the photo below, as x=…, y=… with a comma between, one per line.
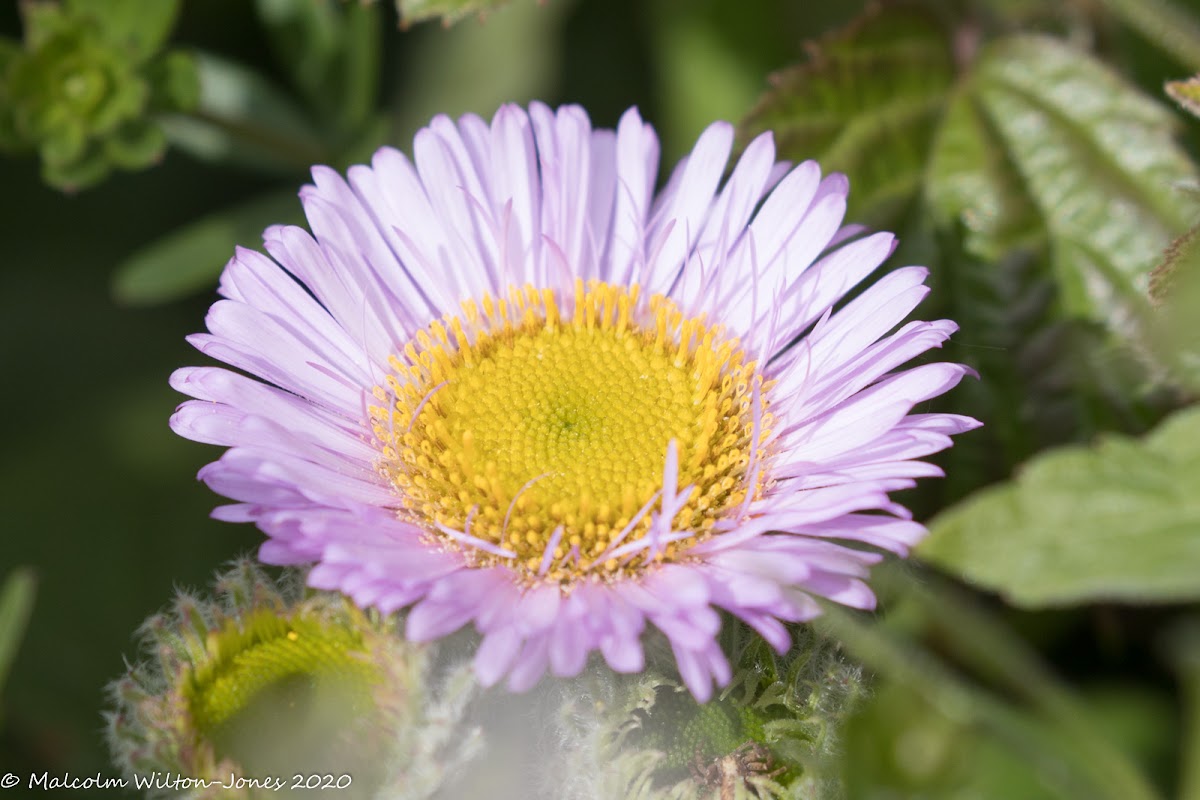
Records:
x=268, y=681
x=84, y=92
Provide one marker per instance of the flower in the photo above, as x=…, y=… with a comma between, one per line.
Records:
x=505, y=383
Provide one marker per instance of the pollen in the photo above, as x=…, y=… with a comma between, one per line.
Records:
x=537, y=428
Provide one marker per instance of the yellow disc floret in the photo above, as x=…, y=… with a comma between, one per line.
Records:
x=546, y=435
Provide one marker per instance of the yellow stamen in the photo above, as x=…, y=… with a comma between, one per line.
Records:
x=537, y=419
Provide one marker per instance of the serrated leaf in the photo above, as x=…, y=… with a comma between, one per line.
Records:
x=190, y=259
x=139, y=27
x=450, y=11
x=867, y=104
x=1115, y=521
x=16, y=604
x=1171, y=327
x=1096, y=161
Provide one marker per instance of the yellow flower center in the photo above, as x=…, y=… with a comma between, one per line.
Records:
x=546, y=436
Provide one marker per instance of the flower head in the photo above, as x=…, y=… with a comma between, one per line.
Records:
x=505, y=383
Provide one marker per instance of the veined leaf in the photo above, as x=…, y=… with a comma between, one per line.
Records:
x=190, y=259
x=1173, y=331
x=1114, y=521
x=866, y=103
x=450, y=11
x=1045, y=131
x=973, y=180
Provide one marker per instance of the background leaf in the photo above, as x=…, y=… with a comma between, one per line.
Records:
x=1164, y=23
x=190, y=259
x=332, y=54
x=1092, y=155
x=450, y=11
x=1183, y=650
x=1172, y=329
x=16, y=603
x=1116, y=521
x=242, y=117
x=866, y=103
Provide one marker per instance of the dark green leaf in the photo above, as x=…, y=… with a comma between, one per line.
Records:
x=1116, y=521
x=1183, y=649
x=1093, y=157
x=139, y=27
x=16, y=603
x=1165, y=24
x=332, y=52
x=450, y=11
x=190, y=259
x=243, y=117
x=972, y=180
x=174, y=82
x=866, y=103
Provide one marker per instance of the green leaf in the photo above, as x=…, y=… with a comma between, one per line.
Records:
x=139, y=27
x=1116, y=521
x=174, y=82
x=450, y=11
x=866, y=103
x=1183, y=650
x=244, y=118
x=332, y=53
x=973, y=181
x=1043, y=129
x=1164, y=23
x=1171, y=328
x=16, y=604
x=954, y=719
x=189, y=260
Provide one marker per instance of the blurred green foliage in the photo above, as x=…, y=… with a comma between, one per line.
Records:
x=1117, y=521
x=1021, y=149
x=85, y=85
x=16, y=603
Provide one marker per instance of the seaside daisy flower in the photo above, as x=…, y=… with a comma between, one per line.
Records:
x=507, y=383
